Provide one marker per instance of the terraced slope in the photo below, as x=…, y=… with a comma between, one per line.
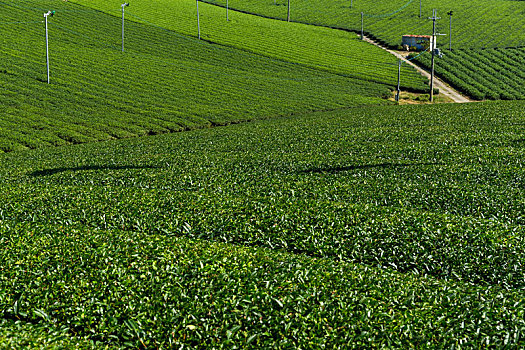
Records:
x=476, y=23
x=390, y=226
x=483, y=74
x=163, y=82
x=320, y=48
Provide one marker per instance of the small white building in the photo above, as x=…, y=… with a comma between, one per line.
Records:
x=418, y=42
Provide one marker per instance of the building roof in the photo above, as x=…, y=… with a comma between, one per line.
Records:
x=417, y=36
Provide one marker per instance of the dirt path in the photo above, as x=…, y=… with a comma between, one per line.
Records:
x=444, y=88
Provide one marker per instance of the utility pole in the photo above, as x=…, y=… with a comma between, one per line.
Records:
x=227, y=18
x=47, y=14
x=288, y=10
x=198, y=21
x=123, y=6
x=351, y=3
x=398, y=80
x=450, y=30
x=362, y=25
x=432, y=45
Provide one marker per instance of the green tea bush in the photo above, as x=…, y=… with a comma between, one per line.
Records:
x=148, y=291
x=323, y=49
x=386, y=226
x=164, y=81
x=483, y=74
x=388, y=21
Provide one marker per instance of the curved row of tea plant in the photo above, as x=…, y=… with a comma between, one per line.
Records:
x=323, y=49
x=163, y=82
x=482, y=74
x=497, y=23
x=138, y=290
x=408, y=220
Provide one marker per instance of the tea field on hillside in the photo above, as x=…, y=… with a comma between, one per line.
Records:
x=397, y=226
x=482, y=74
x=487, y=61
x=163, y=82
x=324, y=49
x=476, y=23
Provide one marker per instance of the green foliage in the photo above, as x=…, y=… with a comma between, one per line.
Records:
x=39, y=335
x=495, y=25
x=323, y=49
x=390, y=226
x=149, y=291
x=396, y=226
x=482, y=74
x=163, y=82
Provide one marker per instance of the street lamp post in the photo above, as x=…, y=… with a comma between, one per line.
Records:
x=46, y=15
x=123, y=6
x=198, y=21
x=450, y=30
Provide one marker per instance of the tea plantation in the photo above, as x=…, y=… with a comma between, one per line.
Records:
x=476, y=23
x=163, y=81
x=332, y=220
x=324, y=49
x=484, y=74
x=487, y=35
x=386, y=226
